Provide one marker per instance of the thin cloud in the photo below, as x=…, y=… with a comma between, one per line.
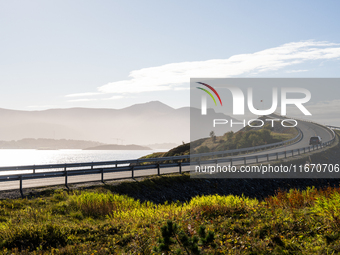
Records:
x=84, y=94
x=181, y=88
x=113, y=98
x=83, y=100
x=42, y=106
x=176, y=76
x=171, y=76
x=296, y=71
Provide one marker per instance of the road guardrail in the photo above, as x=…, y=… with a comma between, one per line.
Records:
x=76, y=169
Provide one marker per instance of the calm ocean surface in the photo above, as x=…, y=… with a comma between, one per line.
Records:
x=15, y=157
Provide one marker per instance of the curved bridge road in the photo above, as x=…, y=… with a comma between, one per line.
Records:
x=308, y=129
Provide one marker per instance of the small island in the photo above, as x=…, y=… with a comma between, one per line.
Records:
x=118, y=147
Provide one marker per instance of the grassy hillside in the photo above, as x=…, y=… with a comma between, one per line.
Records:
x=97, y=222
x=247, y=137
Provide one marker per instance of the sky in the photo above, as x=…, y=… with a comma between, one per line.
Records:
x=113, y=54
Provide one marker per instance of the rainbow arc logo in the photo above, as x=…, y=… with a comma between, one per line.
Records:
x=209, y=93
x=204, y=98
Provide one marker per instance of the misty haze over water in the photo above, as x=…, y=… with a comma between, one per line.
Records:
x=19, y=157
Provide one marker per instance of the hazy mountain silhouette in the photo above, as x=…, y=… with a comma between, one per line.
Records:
x=156, y=146
x=47, y=144
x=152, y=122
x=118, y=147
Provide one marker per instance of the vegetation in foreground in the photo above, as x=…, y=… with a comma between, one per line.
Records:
x=98, y=222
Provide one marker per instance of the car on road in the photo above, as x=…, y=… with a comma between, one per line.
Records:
x=314, y=140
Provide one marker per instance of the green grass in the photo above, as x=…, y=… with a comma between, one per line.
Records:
x=284, y=136
x=96, y=222
x=247, y=137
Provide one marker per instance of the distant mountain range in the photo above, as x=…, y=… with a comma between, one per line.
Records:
x=56, y=144
x=144, y=124
x=47, y=144
x=156, y=146
x=118, y=147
